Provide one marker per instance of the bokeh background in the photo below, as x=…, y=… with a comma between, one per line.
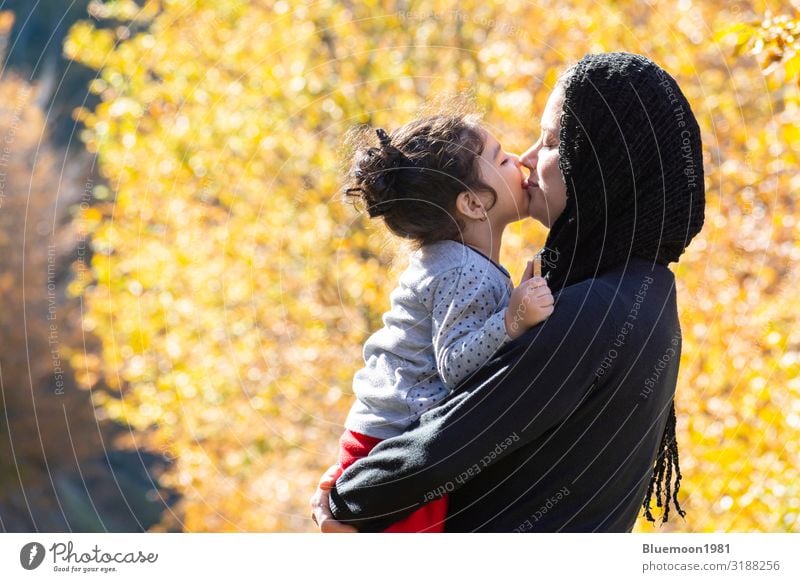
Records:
x=184, y=294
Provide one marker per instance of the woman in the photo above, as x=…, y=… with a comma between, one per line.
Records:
x=561, y=430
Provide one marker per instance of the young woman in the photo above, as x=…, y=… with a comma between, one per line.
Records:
x=571, y=443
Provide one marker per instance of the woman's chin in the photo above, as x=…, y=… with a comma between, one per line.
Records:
x=539, y=217
x=538, y=213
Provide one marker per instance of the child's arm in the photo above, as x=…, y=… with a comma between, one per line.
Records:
x=467, y=326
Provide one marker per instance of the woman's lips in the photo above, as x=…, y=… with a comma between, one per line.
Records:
x=530, y=185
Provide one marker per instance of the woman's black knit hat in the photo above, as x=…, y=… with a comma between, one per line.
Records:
x=632, y=159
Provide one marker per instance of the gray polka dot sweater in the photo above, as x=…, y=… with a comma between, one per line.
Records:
x=447, y=318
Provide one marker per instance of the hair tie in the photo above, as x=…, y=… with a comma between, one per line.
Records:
x=383, y=137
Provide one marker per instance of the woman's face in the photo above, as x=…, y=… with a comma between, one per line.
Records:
x=547, y=191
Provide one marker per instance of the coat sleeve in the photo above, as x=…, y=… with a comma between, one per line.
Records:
x=530, y=387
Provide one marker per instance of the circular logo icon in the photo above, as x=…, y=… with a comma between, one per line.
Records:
x=31, y=555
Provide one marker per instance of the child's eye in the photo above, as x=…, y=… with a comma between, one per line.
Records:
x=504, y=161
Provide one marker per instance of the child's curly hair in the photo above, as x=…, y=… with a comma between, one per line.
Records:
x=413, y=177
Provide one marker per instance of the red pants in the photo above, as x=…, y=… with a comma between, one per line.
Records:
x=427, y=519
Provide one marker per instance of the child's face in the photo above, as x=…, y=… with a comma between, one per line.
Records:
x=502, y=171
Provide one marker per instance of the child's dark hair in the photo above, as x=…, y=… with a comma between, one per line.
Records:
x=413, y=177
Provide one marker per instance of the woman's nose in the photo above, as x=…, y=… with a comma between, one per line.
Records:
x=528, y=159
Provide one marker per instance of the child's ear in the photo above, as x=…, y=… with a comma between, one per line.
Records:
x=470, y=205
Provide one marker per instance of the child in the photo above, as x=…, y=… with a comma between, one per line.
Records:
x=444, y=183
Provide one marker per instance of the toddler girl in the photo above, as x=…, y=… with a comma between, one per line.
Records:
x=444, y=183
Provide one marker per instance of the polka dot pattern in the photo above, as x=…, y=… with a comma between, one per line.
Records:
x=447, y=318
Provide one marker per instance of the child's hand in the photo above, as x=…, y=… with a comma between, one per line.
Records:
x=531, y=303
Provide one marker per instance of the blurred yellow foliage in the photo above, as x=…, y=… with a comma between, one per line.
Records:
x=233, y=288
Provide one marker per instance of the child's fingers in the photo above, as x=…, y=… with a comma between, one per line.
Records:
x=537, y=283
x=528, y=273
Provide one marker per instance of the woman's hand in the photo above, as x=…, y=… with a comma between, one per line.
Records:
x=321, y=510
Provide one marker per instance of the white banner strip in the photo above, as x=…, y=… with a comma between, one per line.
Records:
x=400, y=557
